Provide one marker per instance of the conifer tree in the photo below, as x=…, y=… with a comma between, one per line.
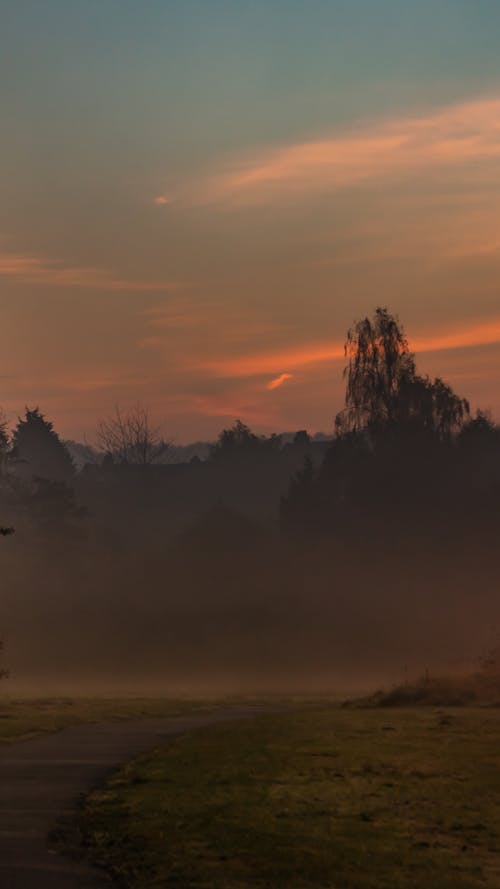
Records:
x=37, y=450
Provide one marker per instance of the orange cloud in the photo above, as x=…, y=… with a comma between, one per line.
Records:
x=476, y=334
x=270, y=362
x=459, y=134
x=278, y=381
x=25, y=269
x=479, y=334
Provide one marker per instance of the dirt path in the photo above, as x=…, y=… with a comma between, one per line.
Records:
x=43, y=779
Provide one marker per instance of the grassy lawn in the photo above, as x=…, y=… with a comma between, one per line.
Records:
x=24, y=717
x=330, y=798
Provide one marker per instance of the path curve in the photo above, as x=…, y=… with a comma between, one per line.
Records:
x=42, y=780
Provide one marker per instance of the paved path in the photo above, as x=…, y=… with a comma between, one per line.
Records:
x=42, y=779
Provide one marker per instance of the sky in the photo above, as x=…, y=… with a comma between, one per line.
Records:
x=198, y=199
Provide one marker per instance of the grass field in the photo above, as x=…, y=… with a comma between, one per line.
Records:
x=25, y=717
x=332, y=798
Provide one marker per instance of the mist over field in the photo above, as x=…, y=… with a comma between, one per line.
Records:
x=273, y=564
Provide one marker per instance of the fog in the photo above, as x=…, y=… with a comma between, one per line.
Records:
x=227, y=604
x=273, y=565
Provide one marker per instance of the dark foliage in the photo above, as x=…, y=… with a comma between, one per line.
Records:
x=402, y=450
x=385, y=394
x=37, y=450
x=239, y=443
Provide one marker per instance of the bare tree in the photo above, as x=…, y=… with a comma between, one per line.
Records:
x=129, y=437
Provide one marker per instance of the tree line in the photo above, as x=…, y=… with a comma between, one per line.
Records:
x=401, y=443
x=272, y=549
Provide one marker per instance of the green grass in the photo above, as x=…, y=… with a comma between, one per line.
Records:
x=330, y=798
x=25, y=717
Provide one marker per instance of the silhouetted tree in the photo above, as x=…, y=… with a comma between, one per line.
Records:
x=37, y=450
x=239, y=441
x=302, y=439
x=379, y=362
x=393, y=458
x=4, y=443
x=431, y=406
x=480, y=433
x=383, y=390
x=129, y=438
x=234, y=441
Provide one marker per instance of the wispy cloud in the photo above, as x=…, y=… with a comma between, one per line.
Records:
x=456, y=135
x=23, y=268
x=269, y=362
x=483, y=333
x=476, y=334
x=178, y=314
x=278, y=381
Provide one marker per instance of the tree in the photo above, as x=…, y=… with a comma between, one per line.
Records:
x=379, y=362
x=37, y=450
x=239, y=441
x=129, y=438
x=235, y=440
x=4, y=443
x=384, y=391
x=480, y=435
x=302, y=439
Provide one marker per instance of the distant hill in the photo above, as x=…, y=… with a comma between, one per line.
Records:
x=83, y=453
